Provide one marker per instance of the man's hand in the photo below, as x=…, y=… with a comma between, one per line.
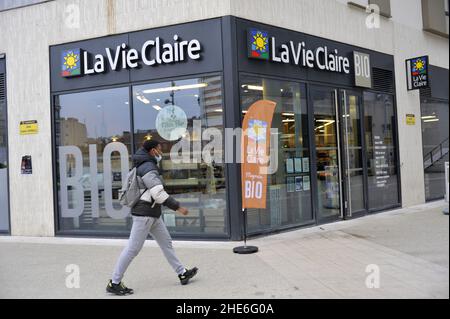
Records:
x=182, y=210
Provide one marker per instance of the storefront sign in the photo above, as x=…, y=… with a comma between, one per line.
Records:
x=262, y=46
x=77, y=62
x=255, y=148
x=410, y=119
x=28, y=127
x=417, y=73
x=363, y=74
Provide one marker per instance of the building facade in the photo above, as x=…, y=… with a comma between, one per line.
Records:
x=85, y=83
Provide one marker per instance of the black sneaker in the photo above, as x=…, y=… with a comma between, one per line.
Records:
x=118, y=289
x=184, y=278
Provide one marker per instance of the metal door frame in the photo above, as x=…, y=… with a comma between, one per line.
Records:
x=340, y=101
x=346, y=209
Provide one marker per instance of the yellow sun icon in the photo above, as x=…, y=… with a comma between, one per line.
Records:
x=419, y=65
x=260, y=41
x=71, y=60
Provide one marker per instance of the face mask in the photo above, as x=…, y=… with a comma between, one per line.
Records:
x=158, y=157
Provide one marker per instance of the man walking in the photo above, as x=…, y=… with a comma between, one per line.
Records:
x=147, y=219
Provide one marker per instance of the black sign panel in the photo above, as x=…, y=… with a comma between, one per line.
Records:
x=417, y=73
x=268, y=50
x=185, y=49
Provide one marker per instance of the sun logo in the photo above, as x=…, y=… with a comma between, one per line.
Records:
x=257, y=130
x=419, y=66
x=70, y=63
x=260, y=41
x=258, y=44
x=71, y=60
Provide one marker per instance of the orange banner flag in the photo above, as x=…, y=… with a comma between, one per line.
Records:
x=255, y=153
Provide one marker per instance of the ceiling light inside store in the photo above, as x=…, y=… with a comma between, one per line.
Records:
x=431, y=120
x=325, y=125
x=253, y=87
x=288, y=114
x=428, y=117
x=143, y=99
x=157, y=107
x=176, y=88
x=288, y=120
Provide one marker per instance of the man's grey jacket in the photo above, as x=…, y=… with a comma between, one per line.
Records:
x=155, y=195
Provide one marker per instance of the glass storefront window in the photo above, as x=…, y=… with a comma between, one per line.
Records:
x=93, y=156
x=381, y=148
x=435, y=145
x=289, y=188
x=326, y=138
x=195, y=181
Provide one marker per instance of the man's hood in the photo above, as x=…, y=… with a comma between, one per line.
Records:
x=142, y=156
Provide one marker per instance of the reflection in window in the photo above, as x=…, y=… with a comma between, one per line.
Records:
x=325, y=134
x=195, y=181
x=93, y=148
x=381, y=147
x=289, y=189
x=435, y=145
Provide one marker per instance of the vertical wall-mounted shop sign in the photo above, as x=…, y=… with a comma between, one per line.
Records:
x=417, y=73
x=363, y=74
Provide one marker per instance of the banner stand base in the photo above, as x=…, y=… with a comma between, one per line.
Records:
x=245, y=250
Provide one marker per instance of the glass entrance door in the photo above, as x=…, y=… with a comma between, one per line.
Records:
x=352, y=154
x=339, y=156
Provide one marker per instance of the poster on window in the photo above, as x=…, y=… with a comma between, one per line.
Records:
x=306, y=183
x=305, y=164
x=298, y=164
x=298, y=183
x=290, y=184
x=289, y=165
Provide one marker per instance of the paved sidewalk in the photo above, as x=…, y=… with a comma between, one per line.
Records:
x=410, y=247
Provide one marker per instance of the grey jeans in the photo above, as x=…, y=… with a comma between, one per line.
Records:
x=142, y=226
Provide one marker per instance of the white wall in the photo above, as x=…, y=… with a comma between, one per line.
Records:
x=407, y=13
x=26, y=34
